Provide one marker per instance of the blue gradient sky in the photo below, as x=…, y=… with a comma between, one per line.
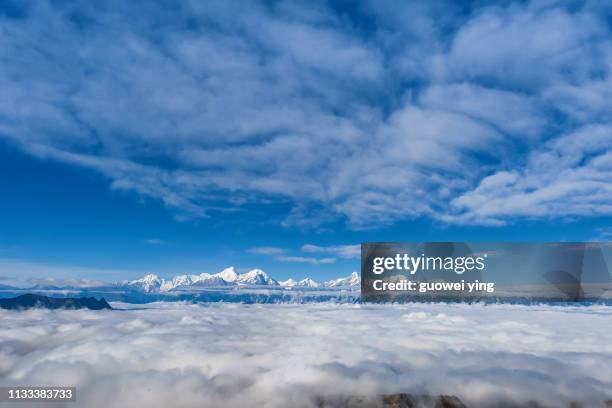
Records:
x=167, y=139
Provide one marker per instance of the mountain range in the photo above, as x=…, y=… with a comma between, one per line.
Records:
x=230, y=278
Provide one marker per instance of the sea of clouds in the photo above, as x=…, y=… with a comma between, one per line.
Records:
x=234, y=355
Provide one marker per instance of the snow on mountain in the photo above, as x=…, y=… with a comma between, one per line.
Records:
x=205, y=279
x=304, y=283
x=228, y=274
x=181, y=280
x=289, y=283
x=152, y=283
x=256, y=277
x=307, y=283
x=187, y=281
x=352, y=280
x=148, y=283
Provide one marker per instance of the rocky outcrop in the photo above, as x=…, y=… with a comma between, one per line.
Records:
x=390, y=401
x=29, y=301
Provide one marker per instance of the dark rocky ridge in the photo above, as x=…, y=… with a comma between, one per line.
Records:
x=403, y=400
x=390, y=401
x=29, y=301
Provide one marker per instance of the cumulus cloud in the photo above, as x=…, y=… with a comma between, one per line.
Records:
x=387, y=111
x=221, y=355
x=567, y=176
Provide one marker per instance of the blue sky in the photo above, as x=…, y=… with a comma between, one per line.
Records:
x=167, y=138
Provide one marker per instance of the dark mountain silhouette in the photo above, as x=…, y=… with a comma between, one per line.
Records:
x=392, y=401
x=29, y=300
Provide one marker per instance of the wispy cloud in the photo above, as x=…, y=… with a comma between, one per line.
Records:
x=306, y=259
x=155, y=241
x=24, y=271
x=267, y=250
x=74, y=282
x=603, y=234
x=281, y=255
x=341, y=251
x=444, y=118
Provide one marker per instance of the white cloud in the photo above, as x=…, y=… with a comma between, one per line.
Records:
x=567, y=176
x=306, y=259
x=23, y=271
x=238, y=104
x=341, y=251
x=73, y=282
x=221, y=355
x=603, y=234
x=281, y=255
x=267, y=250
x=517, y=115
x=532, y=46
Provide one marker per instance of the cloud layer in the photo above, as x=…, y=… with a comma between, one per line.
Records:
x=337, y=251
x=230, y=355
x=380, y=112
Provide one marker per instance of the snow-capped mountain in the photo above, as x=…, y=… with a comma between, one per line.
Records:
x=227, y=285
x=289, y=283
x=229, y=277
x=186, y=281
x=206, y=279
x=228, y=274
x=148, y=283
x=308, y=283
x=352, y=280
x=304, y=283
x=256, y=277
x=180, y=280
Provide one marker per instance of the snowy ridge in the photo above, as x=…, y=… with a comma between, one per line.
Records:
x=289, y=283
x=309, y=283
x=229, y=277
x=228, y=274
x=148, y=283
x=352, y=280
x=256, y=277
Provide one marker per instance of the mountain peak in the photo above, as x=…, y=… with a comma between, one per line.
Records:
x=352, y=280
x=228, y=274
x=148, y=282
x=256, y=277
x=287, y=283
x=150, y=278
x=309, y=283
